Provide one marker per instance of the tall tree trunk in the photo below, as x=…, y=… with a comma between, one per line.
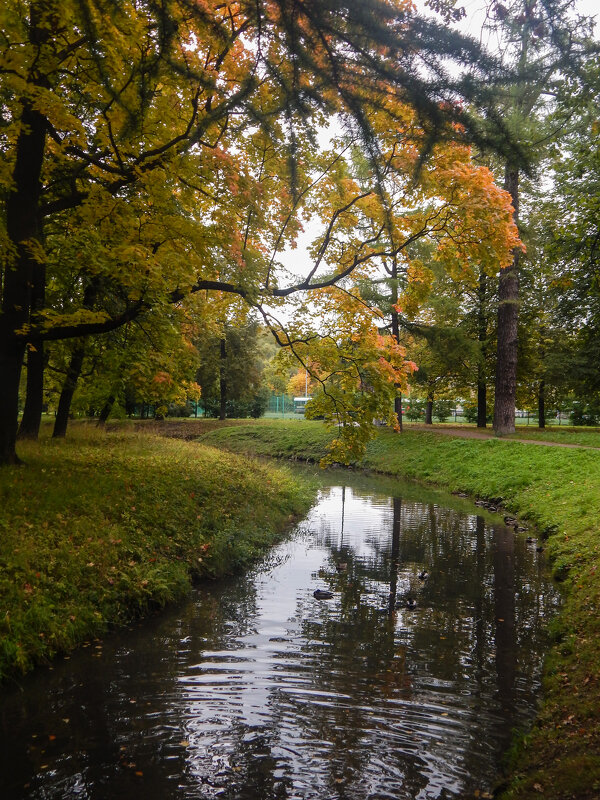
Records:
x=508, y=317
x=396, y=335
x=429, y=410
x=34, y=399
x=24, y=231
x=482, y=339
x=68, y=390
x=106, y=409
x=90, y=294
x=223, y=381
x=481, y=398
x=542, y=404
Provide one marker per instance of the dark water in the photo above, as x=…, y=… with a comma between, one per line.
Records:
x=256, y=690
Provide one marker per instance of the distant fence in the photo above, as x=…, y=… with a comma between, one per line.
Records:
x=282, y=405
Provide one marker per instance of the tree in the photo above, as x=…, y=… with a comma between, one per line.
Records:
x=455, y=215
x=164, y=149
x=231, y=366
x=151, y=360
x=569, y=243
x=448, y=240
x=541, y=42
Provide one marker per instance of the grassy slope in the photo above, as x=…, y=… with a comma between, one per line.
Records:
x=561, y=434
x=558, y=489
x=590, y=437
x=97, y=529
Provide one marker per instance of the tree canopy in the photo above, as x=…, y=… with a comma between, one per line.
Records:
x=151, y=151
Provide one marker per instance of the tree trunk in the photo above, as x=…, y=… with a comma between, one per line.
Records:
x=398, y=410
x=24, y=230
x=36, y=363
x=68, y=390
x=542, y=404
x=429, y=410
x=106, y=409
x=482, y=339
x=34, y=399
x=481, y=399
x=396, y=335
x=223, y=382
x=508, y=316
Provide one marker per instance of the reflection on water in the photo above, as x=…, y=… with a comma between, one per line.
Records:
x=256, y=690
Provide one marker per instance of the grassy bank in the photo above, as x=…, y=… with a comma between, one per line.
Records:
x=100, y=528
x=557, y=489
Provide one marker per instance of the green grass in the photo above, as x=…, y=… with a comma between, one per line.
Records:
x=589, y=437
x=561, y=434
x=100, y=528
x=558, y=489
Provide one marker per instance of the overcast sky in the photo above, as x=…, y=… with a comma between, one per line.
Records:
x=476, y=13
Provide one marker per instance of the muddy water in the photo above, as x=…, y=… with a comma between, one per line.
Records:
x=255, y=689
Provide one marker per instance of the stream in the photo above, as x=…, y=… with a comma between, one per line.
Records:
x=254, y=689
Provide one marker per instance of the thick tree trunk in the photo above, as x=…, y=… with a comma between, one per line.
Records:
x=482, y=338
x=398, y=410
x=429, y=410
x=542, y=404
x=223, y=382
x=508, y=317
x=68, y=390
x=106, y=409
x=24, y=230
x=11, y=360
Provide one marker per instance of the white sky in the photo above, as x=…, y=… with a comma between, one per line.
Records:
x=475, y=9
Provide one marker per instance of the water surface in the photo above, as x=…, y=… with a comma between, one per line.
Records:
x=255, y=690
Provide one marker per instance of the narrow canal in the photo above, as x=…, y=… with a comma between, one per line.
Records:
x=255, y=689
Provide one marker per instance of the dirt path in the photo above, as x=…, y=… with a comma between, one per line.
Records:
x=191, y=429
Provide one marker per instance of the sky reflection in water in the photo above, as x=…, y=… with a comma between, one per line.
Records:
x=256, y=690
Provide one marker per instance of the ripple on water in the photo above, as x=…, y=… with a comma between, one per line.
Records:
x=257, y=691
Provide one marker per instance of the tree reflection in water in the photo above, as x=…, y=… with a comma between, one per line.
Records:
x=258, y=690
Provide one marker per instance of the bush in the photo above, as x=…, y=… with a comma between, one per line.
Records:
x=180, y=410
x=442, y=409
x=254, y=407
x=470, y=412
x=586, y=413
x=415, y=410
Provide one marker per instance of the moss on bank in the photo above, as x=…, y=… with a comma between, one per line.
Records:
x=98, y=529
x=557, y=489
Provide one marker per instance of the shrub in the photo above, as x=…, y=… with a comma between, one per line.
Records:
x=443, y=409
x=586, y=413
x=415, y=410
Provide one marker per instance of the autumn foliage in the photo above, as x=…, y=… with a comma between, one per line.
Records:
x=154, y=154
